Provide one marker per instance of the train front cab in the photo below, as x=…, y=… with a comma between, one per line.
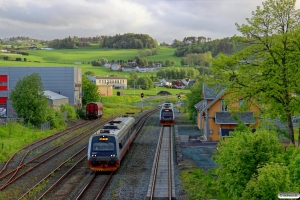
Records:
x=103, y=153
x=167, y=117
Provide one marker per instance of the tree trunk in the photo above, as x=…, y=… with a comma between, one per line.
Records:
x=291, y=128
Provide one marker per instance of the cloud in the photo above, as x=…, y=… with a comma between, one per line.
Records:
x=164, y=20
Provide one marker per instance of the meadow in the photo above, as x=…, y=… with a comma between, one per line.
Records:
x=85, y=55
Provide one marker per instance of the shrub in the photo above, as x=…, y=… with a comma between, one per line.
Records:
x=70, y=109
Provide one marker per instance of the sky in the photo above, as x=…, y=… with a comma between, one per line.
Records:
x=163, y=20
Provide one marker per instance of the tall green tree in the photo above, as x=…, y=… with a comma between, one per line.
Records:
x=29, y=101
x=90, y=91
x=240, y=156
x=193, y=98
x=267, y=71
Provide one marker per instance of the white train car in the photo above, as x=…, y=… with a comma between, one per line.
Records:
x=167, y=114
x=109, y=145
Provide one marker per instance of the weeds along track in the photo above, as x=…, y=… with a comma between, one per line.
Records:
x=29, y=165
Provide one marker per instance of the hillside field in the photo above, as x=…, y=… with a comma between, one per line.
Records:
x=67, y=57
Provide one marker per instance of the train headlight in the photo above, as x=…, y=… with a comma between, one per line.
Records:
x=113, y=155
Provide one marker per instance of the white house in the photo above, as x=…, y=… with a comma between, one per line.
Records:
x=165, y=82
x=107, y=65
x=115, y=66
x=128, y=69
x=145, y=69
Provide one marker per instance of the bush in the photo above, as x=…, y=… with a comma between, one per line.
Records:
x=56, y=119
x=70, y=109
x=80, y=113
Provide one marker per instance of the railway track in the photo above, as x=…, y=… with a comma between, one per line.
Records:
x=161, y=185
x=42, y=161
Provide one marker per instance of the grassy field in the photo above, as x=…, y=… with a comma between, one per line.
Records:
x=67, y=57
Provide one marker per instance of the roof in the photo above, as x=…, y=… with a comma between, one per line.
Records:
x=226, y=118
x=109, y=77
x=200, y=105
x=52, y=95
x=212, y=92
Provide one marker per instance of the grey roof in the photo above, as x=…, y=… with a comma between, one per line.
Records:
x=52, y=95
x=226, y=118
x=212, y=92
x=200, y=105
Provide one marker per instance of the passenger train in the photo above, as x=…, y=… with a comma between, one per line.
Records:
x=109, y=145
x=167, y=114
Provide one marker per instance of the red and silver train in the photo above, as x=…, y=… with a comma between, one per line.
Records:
x=109, y=145
x=94, y=110
x=167, y=114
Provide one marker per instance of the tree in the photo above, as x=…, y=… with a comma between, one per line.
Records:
x=90, y=73
x=103, y=61
x=193, y=98
x=271, y=179
x=145, y=83
x=169, y=62
x=29, y=101
x=240, y=157
x=90, y=91
x=267, y=71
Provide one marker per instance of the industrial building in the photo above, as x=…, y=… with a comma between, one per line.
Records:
x=65, y=81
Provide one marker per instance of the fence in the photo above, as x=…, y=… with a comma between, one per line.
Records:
x=6, y=120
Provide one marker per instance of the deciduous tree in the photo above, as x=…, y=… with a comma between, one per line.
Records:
x=268, y=70
x=90, y=91
x=28, y=99
x=240, y=156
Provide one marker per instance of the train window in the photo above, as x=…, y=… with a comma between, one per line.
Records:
x=103, y=146
x=110, y=127
x=167, y=114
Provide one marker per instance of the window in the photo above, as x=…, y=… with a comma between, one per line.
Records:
x=224, y=106
x=241, y=101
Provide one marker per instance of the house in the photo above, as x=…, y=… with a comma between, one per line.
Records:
x=214, y=118
x=157, y=65
x=188, y=82
x=115, y=82
x=128, y=69
x=178, y=84
x=107, y=65
x=115, y=66
x=165, y=82
x=145, y=69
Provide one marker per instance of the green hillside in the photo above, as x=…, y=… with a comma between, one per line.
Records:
x=67, y=57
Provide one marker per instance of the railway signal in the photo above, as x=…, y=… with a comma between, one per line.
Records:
x=142, y=95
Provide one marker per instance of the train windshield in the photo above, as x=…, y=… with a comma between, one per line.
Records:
x=103, y=146
x=103, y=143
x=167, y=113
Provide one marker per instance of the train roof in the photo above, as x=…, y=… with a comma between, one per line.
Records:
x=117, y=126
x=167, y=105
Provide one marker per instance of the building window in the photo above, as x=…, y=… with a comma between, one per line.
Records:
x=224, y=106
x=241, y=101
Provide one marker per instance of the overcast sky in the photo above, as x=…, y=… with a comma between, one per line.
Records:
x=163, y=20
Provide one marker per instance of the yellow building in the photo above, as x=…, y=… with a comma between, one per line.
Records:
x=214, y=118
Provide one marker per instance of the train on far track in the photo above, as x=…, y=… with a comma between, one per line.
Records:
x=167, y=114
x=109, y=145
x=94, y=110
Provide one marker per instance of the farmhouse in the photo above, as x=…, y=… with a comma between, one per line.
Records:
x=216, y=119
